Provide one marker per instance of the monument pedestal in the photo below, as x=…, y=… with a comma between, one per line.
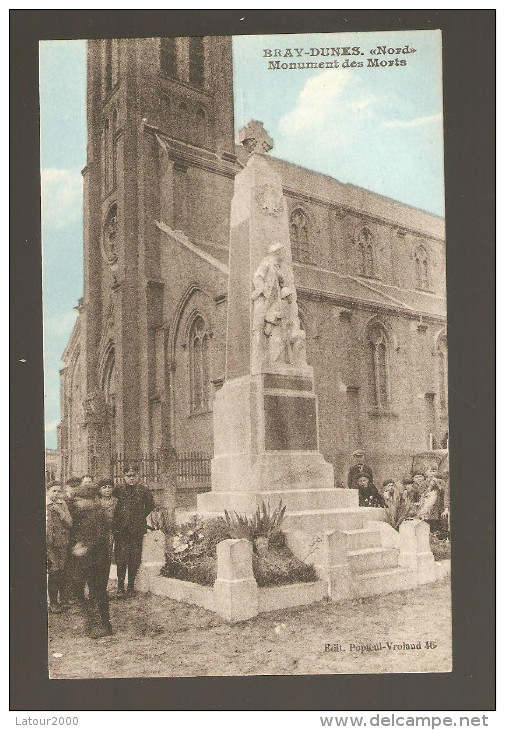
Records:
x=266, y=448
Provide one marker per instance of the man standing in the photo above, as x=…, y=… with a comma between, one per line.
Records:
x=135, y=502
x=358, y=469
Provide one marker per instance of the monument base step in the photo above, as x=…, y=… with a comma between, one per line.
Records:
x=331, y=519
x=360, y=539
x=295, y=500
x=376, y=582
x=372, y=558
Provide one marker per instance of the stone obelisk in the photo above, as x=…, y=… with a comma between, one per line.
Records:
x=266, y=436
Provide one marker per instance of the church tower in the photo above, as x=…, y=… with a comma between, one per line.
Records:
x=157, y=110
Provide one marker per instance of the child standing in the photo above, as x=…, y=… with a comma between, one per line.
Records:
x=389, y=490
x=58, y=524
x=108, y=503
x=368, y=493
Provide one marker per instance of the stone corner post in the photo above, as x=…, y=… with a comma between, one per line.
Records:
x=415, y=552
x=336, y=566
x=235, y=590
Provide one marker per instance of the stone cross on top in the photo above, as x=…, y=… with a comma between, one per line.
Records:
x=255, y=138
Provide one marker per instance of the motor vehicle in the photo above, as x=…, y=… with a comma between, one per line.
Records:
x=437, y=458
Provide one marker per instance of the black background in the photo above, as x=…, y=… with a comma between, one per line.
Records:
x=469, y=128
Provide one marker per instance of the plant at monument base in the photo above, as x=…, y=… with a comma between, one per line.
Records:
x=441, y=548
x=399, y=509
x=281, y=567
x=215, y=531
x=239, y=526
x=189, y=537
x=187, y=558
x=192, y=551
x=264, y=522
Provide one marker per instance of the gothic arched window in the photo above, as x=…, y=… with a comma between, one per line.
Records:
x=379, y=366
x=299, y=232
x=421, y=259
x=196, y=62
x=442, y=370
x=168, y=57
x=365, y=244
x=199, y=378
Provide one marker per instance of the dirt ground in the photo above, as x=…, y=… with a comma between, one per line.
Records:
x=158, y=637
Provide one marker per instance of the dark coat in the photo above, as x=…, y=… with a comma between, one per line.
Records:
x=93, y=533
x=370, y=497
x=58, y=524
x=134, y=503
x=109, y=507
x=355, y=472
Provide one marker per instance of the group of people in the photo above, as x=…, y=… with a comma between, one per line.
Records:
x=88, y=526
x=427, y=493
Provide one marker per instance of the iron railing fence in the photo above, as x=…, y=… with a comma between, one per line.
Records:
x=191, y=469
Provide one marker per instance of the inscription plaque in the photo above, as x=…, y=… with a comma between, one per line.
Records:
x=290, y=423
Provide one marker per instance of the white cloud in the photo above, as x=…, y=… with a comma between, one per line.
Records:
x=61, y=197
x=51, y=426
x=361, y=104
x=314, y=102
x=413, y=122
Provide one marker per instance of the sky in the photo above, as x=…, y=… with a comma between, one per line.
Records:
x=379, y=128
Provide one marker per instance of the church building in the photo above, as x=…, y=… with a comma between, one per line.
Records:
x=146, y=355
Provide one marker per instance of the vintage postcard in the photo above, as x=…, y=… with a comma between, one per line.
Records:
x=247, y=462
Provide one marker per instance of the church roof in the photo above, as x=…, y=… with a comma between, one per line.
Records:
x=316, y=282
x=351, y=290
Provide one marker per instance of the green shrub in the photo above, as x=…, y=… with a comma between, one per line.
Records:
x=277, y=540
x=399, y=509
x=214, y=532
x=202, y=569
x=239, y=526
x=441, y=549
x=264, y=522
x=194, y=557
x=281, y=567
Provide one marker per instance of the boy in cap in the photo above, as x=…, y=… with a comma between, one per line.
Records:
x=58, y=524
x=135, y=502
x=359, y=468
x=108, y=503
x=92, y=560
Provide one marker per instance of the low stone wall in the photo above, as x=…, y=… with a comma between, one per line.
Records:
x=297, y=594
x=236, y=596
x=184, y=591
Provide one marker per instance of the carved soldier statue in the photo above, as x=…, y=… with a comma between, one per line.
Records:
x=275, y=312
